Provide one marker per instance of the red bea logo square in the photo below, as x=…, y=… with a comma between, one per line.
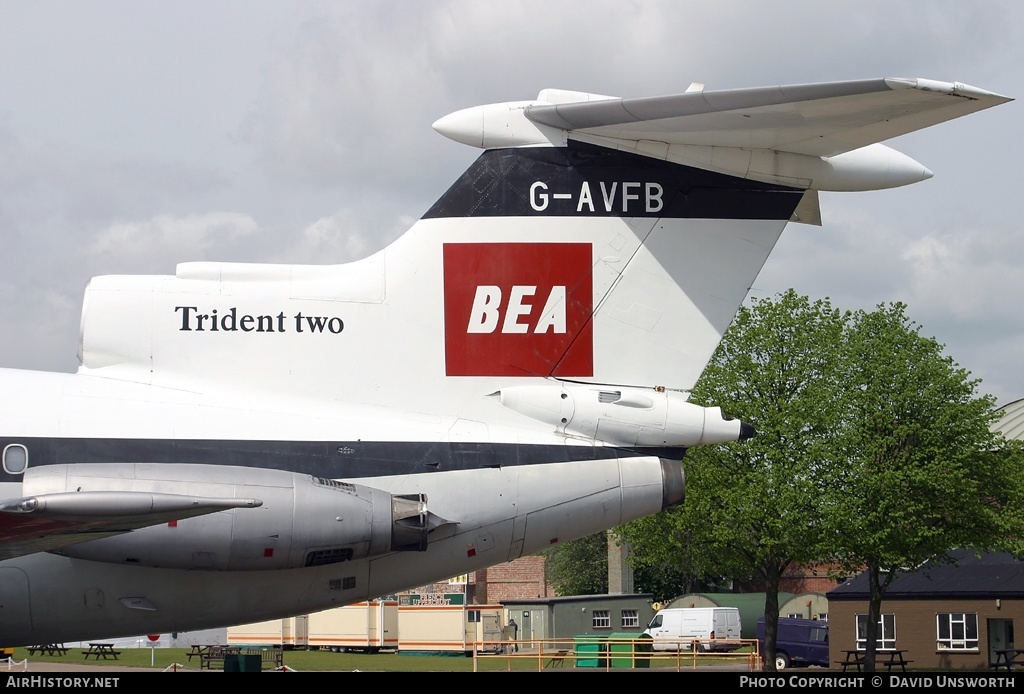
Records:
x=518, y=309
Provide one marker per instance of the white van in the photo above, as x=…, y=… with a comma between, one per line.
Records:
x=700, y=628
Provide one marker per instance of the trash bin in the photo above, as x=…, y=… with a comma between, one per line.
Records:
x=590, y=650
x=242, y=662
x=630, y=650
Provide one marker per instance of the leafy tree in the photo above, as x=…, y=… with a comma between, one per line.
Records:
x=579, y=567
x=918, y=470
x=873, y=451
x=753, y=509
x=665, y=582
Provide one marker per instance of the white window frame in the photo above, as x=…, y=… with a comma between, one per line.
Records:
x=630, y=618
x=601, y=619
x=886, y=631
x=958, y=631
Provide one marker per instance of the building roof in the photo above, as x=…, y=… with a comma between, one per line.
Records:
x=740, y=600
x=972, y=575
x=1011, y=421
x=603, y=597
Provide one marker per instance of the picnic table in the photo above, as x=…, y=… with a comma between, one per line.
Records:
x=198, y=651
x=889, y=658
x=1007, y=658
x=895, y=659
x=101, y=650
x=56, y=649
x=853, y=659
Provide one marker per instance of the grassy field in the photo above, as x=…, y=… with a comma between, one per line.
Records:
x=325, y=661
x=301, y=661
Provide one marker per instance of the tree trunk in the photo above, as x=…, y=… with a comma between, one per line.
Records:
x=874, y=618
x=771, y=616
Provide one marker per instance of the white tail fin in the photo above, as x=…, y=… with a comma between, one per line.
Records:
x=596, y=240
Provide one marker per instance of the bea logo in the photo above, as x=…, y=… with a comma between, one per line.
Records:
x=518, y=309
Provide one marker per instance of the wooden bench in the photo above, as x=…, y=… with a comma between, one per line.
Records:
x=214, y=655
x=275, y=656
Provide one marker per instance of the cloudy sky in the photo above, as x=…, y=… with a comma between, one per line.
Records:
x=136, y=135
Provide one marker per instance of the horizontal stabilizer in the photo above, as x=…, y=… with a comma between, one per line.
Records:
x=824, y=136
x=813, y=119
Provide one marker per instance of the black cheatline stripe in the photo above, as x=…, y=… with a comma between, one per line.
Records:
x=501, y=183
x=334, y=459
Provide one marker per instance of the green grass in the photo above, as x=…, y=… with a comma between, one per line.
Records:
x=324, y=661
x=299, y=660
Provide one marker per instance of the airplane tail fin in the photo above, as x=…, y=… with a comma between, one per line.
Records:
x=598, y=242
x=672, y=205
x=587, y=263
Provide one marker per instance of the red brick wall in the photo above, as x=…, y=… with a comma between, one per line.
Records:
x=526, y=578
x=812, y=578
x=523, y=578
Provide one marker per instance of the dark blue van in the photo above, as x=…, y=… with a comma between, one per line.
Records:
x=800, y=642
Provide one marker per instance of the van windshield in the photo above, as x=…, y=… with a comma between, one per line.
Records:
x=656, y=622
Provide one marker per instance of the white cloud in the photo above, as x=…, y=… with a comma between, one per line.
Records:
x=155, y=245
x=337, y=237
x=967, y=272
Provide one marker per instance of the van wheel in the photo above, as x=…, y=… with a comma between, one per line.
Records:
x=781, y=661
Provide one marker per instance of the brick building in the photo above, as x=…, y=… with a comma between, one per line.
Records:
x=948, y=616
x=812, y=578
x=520, y=579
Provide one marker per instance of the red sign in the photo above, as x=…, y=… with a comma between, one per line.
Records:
x=518, y=309
x=153, y=637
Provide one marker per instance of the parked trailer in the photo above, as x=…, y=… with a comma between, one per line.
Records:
x=450, y=628
x=286, y=633
x=382, y=625
x=365, y=626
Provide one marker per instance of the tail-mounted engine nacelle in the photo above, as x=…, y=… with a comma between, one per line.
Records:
x=303, y=520
x=625, y=416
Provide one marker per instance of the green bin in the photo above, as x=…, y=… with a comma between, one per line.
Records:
x=243, y=662
x=590, y=650
x=630, y=650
